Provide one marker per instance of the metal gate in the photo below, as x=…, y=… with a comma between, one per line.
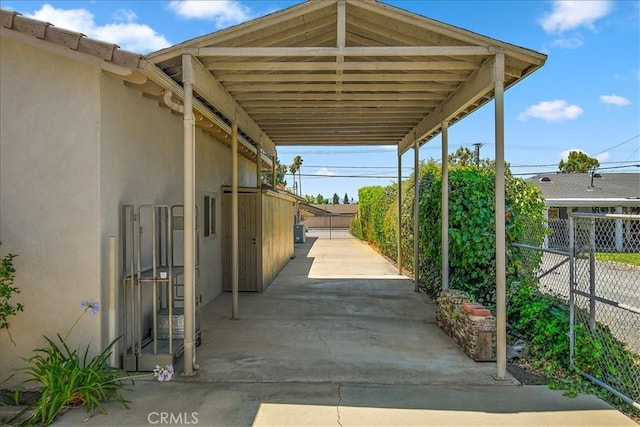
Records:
x=604, y=301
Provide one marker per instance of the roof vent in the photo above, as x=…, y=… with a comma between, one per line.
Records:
x=545, y=179
x=597, y=175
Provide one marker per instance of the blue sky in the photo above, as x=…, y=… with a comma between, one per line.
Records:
x=586, y=97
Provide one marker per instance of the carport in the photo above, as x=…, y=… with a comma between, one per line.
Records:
x=338, y=72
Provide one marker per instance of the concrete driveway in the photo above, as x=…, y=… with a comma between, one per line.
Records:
x=339, y=339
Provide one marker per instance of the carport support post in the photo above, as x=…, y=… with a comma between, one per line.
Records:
x=188, y=79
x=259, y=164
x=444, y=213
x=416, y=213
x=501, y=307
x=399, y=233
x=234, y=220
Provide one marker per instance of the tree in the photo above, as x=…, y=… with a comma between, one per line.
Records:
x=281, y=171
x=463, y=156
x=336, y=199
x=310, y=199
x=578, y=162
x=320, y=199
x=345, y=201
x=295, y=168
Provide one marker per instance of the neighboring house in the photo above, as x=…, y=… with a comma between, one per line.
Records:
x=86, y=130
x=594, y=193
x=329, y=215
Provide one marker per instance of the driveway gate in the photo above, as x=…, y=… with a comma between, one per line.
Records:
x=604, y=300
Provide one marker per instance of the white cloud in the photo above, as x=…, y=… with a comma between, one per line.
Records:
x=568, y=43
x=603, y=157
x=124, y=31
x=552, y=111
x=389, y=147
x=325, y=172
x=223, y=12
x=568, y=15
x=620, y=101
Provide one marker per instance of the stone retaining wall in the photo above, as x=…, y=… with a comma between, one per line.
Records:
x=469, y=323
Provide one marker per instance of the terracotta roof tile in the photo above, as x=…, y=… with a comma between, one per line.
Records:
x=70, y=39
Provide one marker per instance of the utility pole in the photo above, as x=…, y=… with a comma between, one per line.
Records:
x=476, y=156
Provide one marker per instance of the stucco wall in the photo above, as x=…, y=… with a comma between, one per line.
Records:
x=76, y=145
x=49, y=165
x=142, y=163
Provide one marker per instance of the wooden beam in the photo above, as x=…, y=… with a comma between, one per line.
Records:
x=230, y=77
x=475, y=87
x=328, y=87
x=283, y=105
x=357, y=51
x=209, y=88
x=351, y=96
x=269, y=113
x=332, y=66
x=248, y=32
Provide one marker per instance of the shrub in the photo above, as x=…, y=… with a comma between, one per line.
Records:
x=7, y=291
x=68, y=378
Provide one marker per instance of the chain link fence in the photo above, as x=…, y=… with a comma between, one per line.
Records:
x=592, y=261
x=605, y=300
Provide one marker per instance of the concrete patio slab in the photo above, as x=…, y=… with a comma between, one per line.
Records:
x=339, y=339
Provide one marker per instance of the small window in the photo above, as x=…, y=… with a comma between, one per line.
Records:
x=554, y=213
x=210, y=215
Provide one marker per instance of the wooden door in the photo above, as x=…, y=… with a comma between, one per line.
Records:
x=248, y=241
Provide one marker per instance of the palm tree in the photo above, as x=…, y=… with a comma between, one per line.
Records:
x=295, y=168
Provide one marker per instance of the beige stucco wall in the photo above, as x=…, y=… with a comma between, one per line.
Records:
x=49, y=168
x=76, y=144
x=142, y=163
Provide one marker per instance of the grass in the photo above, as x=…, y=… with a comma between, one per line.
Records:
x=624, y=258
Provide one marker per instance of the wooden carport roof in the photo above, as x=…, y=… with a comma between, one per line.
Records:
x=345, y=73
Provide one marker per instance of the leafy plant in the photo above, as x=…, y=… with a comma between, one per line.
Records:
x=7, y=291
x=69, y=378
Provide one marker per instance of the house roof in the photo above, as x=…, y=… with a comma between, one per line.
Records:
x=72, y=40
x=345, y=72
x=605, y=188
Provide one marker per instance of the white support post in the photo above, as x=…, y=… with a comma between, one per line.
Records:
x=501, y=254
x=234, y=221
x=399, y=199
x=444, y=212
x=189, y=216
x=416, y=215
x=259, y=164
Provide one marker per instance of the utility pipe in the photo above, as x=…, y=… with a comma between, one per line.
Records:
x=501, y=307
x=167, y=97
x=113, y=284
x=416, y=214
x=444, y=212
x=189, y=216
x=234, y=221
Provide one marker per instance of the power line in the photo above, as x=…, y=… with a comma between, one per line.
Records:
x=617, y=145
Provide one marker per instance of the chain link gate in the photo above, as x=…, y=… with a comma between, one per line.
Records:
x=604, y=301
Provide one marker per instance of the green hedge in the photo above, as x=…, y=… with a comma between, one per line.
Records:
x=471, y=226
